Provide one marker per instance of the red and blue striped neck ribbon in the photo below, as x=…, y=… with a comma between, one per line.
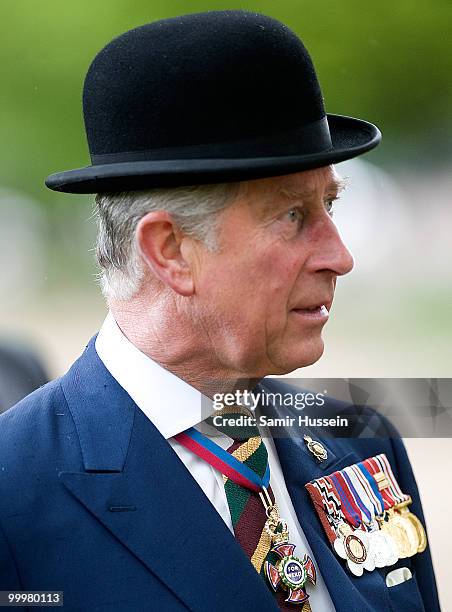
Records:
x=223, y=461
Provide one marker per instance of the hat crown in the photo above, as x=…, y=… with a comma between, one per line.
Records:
x=205, y=98
x=200, y=78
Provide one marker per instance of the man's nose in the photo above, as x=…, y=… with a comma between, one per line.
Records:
x=330, y=252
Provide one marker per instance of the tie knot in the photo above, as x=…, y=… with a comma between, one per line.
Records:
x=237, y=422
x=252, y=452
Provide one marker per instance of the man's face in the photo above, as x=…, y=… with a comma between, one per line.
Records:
x=263, y=296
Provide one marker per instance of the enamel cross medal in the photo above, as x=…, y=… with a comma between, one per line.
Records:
x=288, y=571
x=278, y=564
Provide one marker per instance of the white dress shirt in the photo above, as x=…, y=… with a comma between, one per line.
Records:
x=173, y=406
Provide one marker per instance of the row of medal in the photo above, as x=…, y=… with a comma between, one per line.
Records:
x=366, y=515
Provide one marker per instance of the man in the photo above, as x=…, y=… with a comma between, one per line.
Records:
x=212, y=160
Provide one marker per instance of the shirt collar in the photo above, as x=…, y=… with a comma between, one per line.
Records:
x=168, y=401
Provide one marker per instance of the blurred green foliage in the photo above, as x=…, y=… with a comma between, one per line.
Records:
x=389, y=62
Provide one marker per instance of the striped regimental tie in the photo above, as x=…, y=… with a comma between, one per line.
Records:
x=247, y=510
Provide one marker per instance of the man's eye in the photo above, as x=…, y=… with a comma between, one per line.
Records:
x=295, y=215
x=329, y=205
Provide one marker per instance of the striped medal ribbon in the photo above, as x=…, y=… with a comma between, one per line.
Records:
x=352, y=543
x=370, y=486
x=365, y=515
x=348, y=504
x=341, y=519
x=327, y=505
x=365, y=506
x=387, y=484
x=392, y=534
x=274, y=556
x=401, y=507
x=381, y=548
x=405, y=527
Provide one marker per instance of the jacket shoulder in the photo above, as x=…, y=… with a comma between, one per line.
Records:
x=31, y=411
x=35, y=435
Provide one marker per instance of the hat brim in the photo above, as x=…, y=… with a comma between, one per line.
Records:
x=350, y=137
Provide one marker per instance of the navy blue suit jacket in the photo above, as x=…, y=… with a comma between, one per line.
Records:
x=94, y=502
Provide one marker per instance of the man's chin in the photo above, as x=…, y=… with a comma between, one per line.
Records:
x=301, y=364
x=298, y=359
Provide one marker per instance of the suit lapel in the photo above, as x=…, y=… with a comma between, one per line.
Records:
x=137, y=487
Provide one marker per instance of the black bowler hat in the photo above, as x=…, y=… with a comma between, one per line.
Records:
x=207, y=98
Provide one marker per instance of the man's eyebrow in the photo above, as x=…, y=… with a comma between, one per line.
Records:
x=335, y=186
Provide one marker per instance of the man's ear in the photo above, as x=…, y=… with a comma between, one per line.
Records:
x=159, y=240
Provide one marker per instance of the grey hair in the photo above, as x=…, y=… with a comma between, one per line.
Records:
x=195, y=210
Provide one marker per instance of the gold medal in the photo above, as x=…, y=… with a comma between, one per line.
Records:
x=404, y=536
x=421, y=536
x=406, y=530
x=410, y=532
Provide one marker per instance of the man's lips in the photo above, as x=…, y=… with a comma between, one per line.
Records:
x=315, y=306
x=316, y=312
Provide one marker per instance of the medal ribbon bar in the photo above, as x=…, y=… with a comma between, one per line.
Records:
x=365, y=515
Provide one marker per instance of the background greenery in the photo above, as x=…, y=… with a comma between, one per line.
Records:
x=386, y=61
